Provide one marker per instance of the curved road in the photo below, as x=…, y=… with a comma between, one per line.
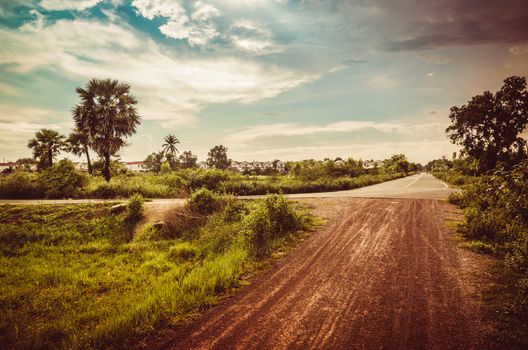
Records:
x=381, y=274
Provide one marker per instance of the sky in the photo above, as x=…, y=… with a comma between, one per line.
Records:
x=268, y=79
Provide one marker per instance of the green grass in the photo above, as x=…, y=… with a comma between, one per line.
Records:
x=178, y=184
x=67, y=282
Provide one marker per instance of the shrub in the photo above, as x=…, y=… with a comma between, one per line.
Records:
x=203, y=202
x=62, y=180
x=258, y=229
x=134, y=214
x=20, y=185
x=281, y=213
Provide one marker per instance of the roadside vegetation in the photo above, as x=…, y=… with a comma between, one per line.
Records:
x=62, y=180
x=76, y=276
x=492, y=171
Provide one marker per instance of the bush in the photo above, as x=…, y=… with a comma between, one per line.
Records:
x=258, y=231
x=62, y=180
x=203, y=201
x=21, y=185
x=271, y=219
x=134, y=214
x=282, y=215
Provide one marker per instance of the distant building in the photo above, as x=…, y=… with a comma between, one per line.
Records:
x=135, y=166
x=7, y=165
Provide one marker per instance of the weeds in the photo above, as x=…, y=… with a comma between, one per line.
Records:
x=68, y=280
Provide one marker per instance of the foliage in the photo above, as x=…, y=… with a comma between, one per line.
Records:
x=107, y=114
x=203, y=201
x=62, y=180
x=25, y=163
x=217, y=158
x=489, y=125
x=169, y=145
x=21, y=185
x=46, y=145
x=188, y=160
x=154, y=161
x=68, y=282
x=78, y=143
x=495, y=207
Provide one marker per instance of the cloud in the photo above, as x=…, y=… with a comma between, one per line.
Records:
x=250, y=36
x=79, y=5
x=196, y=26
x=382, y=81
x=25, y=127
x=7, y=89
x=400, y=25
x=294, y=129
x=171, y=89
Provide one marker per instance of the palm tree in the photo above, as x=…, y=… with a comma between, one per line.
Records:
x=46, y=145
x=169, y=145
x=108, y=115
x=78, y=143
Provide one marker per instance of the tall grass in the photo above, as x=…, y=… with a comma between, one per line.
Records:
x=176, y=184
x=66, y=281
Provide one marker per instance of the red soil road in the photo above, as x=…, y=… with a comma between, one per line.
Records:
x=382, y=274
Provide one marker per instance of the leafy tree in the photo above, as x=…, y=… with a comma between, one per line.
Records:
x=46, y=145
x=188, y=160
x=489, y=126
x=154, y=161
x=398, y=163
x=25, y=163
x=78, y=143
x=217, y=158
x=108, y=115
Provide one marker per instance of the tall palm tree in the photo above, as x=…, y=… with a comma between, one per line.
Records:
x=46, y=145
x=169, y=145
x=78, y=144
x=108, y=114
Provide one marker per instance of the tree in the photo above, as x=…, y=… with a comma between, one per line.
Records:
x=46, y=145
x=188, y=160
x=490, y=125
x=217, y=158
x=169, y=145
x=78, y=143
x=25, y=163
x=170, y=150
x=108, y=115
x=154, y=161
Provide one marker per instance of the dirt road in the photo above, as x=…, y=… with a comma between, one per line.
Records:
x=382, y=274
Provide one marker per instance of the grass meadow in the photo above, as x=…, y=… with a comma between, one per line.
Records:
x=75, y=276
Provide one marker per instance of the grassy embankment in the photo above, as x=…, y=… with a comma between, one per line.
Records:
x=173, y=184
x=496, y=223
x=76, y=277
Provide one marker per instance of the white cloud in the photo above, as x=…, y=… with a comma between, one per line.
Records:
x=251, y=37
x=170, y=89
x=294, y=129
x=430, y=74
x=382, y=81
x=25, y=127
x=79, y=5
x=197, y=28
